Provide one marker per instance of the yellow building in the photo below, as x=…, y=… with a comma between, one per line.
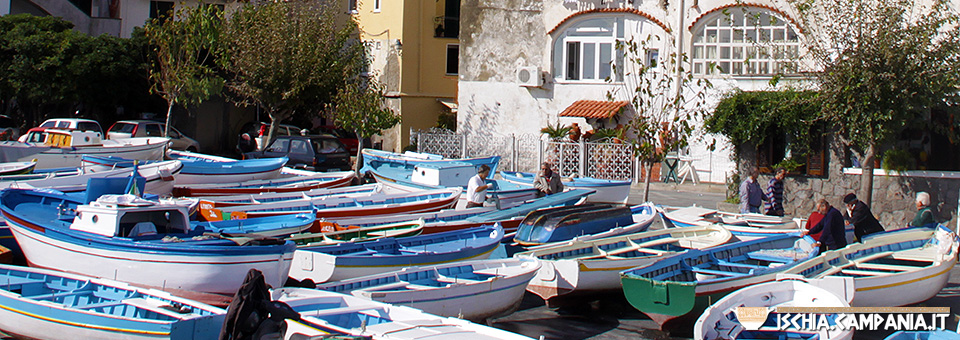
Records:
x=414, y=49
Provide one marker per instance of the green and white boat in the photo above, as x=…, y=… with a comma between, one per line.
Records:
x=682, y=286
x=344, y=233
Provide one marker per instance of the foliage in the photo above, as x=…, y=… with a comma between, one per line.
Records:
x=556, y=131
x=184, y=72
x=360, y=107
x=882, y=63
x=599, y=134
x=47, y=67
x=750, y=117
x=447, y=120
x=897, y=160
x=733, y=189
x=790, y=164
x=290, y=57
x=666, y=99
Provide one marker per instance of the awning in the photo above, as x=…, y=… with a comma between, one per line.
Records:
x=593, y=108
x=450, y=103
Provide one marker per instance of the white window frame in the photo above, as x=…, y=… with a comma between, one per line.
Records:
x=717, y=50
x=624, y=28
x=446, y=59
x=376, y=6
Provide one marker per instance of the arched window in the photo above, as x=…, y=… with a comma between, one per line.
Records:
x=587, y=49
x=747, y=41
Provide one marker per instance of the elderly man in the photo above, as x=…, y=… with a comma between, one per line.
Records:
x=834, y=234
x=864, y=223
x=751, y=196
x=924, y=213
x=547, y=181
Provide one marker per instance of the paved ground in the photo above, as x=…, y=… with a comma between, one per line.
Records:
x=611, y=317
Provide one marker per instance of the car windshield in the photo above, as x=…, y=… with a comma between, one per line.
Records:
x=327, y=146
x=122, y=127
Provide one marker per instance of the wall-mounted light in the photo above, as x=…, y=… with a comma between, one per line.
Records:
x=398, y=44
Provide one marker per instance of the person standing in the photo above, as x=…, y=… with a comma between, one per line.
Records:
x=477, y=187
x=864, y=223
x=833, y=234
x=775, y=193
x=751, y=197
x=547, y=181
x=246, y=144
x=924, y=213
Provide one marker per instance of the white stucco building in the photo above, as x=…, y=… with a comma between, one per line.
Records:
x=572, y=45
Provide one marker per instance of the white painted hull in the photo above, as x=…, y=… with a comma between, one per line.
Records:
x=211, y=274
x=129, y=148
x=716, y=321
x=159, y=178
x=904, y=289
x=471, y=300
x=607, y=194
x=226, y=178
x=320, y=267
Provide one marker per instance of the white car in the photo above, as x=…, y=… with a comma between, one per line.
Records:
x=149, y=128
x=69, y=123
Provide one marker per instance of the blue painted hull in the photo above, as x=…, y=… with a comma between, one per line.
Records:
x=373, y=159
x=198, y=166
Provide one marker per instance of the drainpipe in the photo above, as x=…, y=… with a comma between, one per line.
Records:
x=681, y=13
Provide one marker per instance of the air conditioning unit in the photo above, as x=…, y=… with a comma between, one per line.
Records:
x=529, y=76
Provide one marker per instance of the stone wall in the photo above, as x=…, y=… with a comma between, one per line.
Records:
x=893, y=196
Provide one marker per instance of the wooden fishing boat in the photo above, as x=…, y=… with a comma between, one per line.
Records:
x=584, y=222
x=336, y=207
x=472, y=290
x=201, y=171
x=159, y=178
x=585, y=268
x=893, y=268
x=608, y=190
x=45, y=304
x=349, y=260
x=450, y=174
x=333, y=233
x=942, y=334
x=373, y=158
x=17, y=168
x=719, y=321
x=210, y=202
x=324, y=313
x=137, y=241
x=738, y=224
x=285, y=184
x=64, y=148
x=270, y=226
x=679, y=288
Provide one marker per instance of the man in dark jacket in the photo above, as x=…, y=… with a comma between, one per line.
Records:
x=860, y=216
x=834, y=236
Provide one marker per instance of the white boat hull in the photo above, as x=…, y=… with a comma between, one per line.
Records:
x=211, y=274
x=71, y=157
x=226, y=178
x=321, y=267
x=159, y=178
x=607, y=194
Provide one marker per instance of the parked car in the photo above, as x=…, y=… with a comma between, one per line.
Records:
x=259, y=131
x=313, y=152
x=149, y=128
x=69, y=123
x=346, y=137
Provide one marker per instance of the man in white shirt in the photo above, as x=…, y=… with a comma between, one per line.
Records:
x=477, y=187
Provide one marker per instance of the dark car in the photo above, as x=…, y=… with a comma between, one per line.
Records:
x=346, y=137
x=315, y=152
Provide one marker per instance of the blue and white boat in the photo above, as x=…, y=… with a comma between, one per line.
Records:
x=134, y=240
x=583, y=222
x=349, y=260
x=472, y=290
x=450, y=174
x=373, y=158
x=46, y=304
x=159, y=178
x=942, y=334
x=200, y=171
x=270, y=226
x=324, y=313
x=608, y=190
x=750, y=225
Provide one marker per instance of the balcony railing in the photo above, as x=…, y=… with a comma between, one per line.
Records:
x=446, y=27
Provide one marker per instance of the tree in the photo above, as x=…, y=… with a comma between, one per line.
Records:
x=360, y=107
x=184, y=71
x=290, y=57
x=667, y=100
x=881, y=64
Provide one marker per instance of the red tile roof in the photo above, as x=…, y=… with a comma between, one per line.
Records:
x=593, y=108
x=611, y=10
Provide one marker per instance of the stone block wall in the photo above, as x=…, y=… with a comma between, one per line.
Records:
x=893, y=196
